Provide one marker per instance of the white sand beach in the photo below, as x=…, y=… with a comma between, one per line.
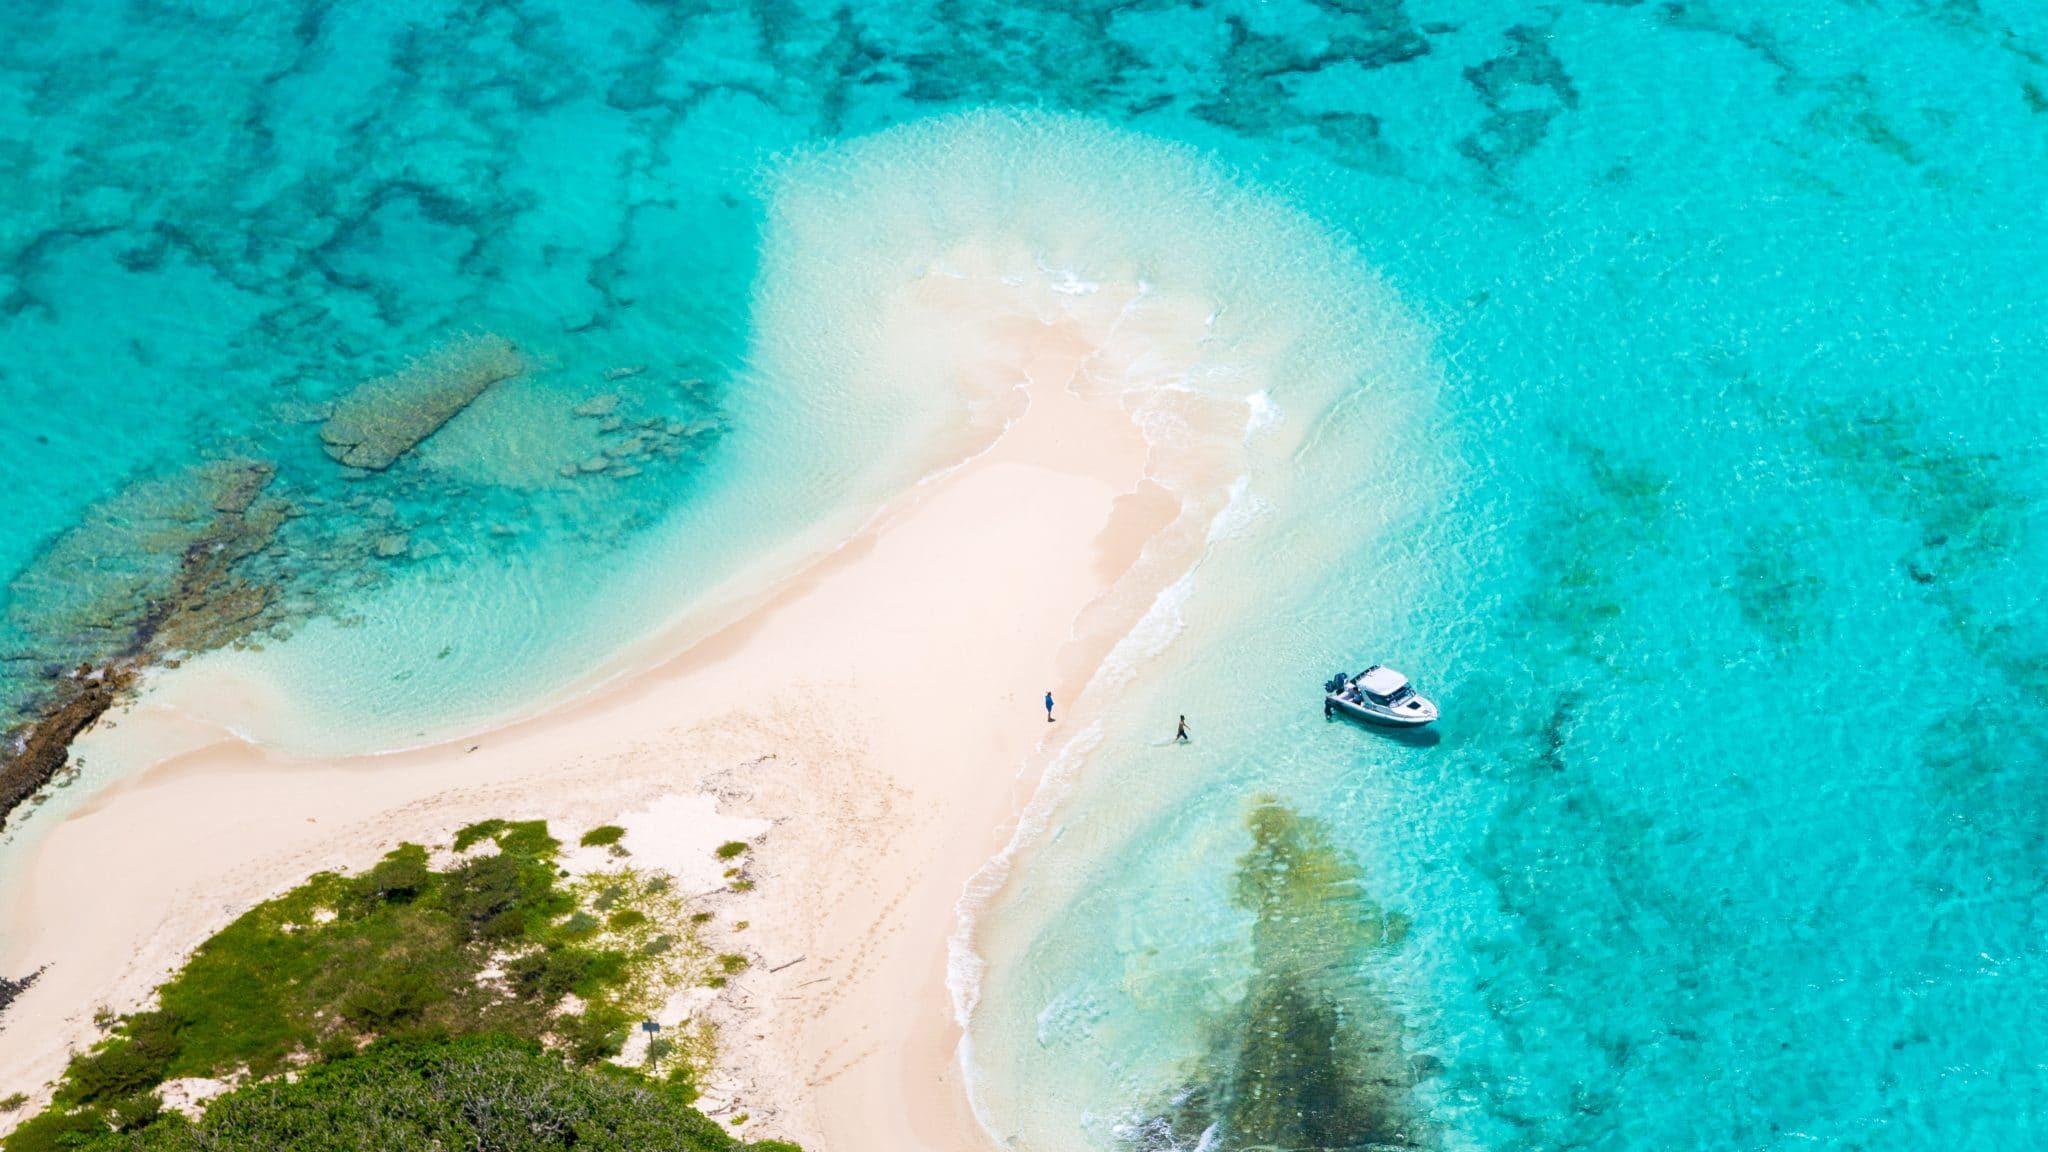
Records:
x=880, y=709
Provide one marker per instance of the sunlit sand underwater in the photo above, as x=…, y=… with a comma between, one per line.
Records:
x=1657, y=384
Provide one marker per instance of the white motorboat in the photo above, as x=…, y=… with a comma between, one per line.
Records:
x=1378, y=695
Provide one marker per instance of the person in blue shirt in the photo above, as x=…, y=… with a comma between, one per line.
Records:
x=1048, y=707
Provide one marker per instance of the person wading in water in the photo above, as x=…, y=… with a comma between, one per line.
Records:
x=1180, y=734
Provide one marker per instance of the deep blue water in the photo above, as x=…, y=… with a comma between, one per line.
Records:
x=1717, y=536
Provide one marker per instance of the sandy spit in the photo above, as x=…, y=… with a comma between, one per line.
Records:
x=878, y=713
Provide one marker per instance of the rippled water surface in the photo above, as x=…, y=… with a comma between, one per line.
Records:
x=1711, y=516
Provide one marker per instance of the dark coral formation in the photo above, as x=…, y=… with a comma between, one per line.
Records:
x=1756, y=36
x=1262, y=72
x=35, y=756
x=1851, y=111
x=209, y=603
x=1523, y=89
x=1576, y=873
x=1969, y=517
x=1587, y=538
x=11, y=989
x=1312, y=1058
x=1779, y=596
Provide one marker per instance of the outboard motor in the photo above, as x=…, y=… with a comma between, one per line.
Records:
x=1335, y=682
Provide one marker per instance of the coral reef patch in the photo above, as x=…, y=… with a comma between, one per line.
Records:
x=1312, y=1057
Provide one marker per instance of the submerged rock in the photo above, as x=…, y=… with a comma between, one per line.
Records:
x=598, y=406
x=211, y=604
x=223, y=614
x=1311, y=1058
x=387, y=417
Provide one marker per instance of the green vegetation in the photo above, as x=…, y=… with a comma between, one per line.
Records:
x=603, y=836
x=407, y=963
x=732, y=849
x=480, y=1092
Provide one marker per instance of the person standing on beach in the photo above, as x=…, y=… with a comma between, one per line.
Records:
x=1180, y=735
x=1048, y=707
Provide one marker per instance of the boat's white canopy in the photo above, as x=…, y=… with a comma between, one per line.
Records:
x=1382, y=681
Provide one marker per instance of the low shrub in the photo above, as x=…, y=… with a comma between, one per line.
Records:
x=489, y=1092
x=56, y=1129
x=595, y=1034
x=400, y=877
x=133, y=1112
x=395, y=995
x=134, y=1061
x=554, y=972
x=477, y=833
x=603, y=836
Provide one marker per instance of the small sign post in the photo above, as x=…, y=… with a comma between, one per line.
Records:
x=653, y=1041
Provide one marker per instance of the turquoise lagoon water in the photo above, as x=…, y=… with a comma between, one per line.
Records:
x=1709, y=509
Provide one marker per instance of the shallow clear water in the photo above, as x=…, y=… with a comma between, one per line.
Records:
x=1711, y=515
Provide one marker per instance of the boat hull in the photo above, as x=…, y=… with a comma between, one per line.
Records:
x=1333, y=705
